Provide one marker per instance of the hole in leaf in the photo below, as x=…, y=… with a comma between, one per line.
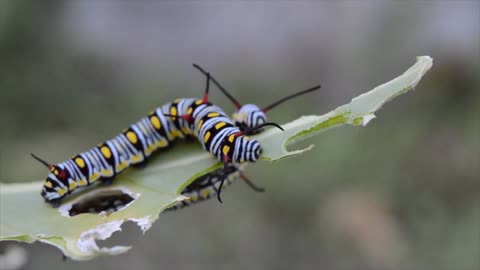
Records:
x=105, y=202
x=129, y=230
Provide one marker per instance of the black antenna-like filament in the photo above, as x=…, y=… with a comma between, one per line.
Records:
x=276, y=103
x=224, y=91
x=41, y=161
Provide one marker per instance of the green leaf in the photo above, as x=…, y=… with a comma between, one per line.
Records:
x=25, y=217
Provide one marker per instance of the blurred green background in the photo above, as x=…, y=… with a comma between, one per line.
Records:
x=402, y=193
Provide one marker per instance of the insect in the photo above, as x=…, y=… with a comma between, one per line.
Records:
x=207, y=186
x=131, y=147
x=218, y=134
x=178, y=119
x=248, y=118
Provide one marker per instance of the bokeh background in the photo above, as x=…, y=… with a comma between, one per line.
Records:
x=401, y=193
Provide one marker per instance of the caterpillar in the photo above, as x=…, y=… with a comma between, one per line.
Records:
x=188, y=117
x=103, y=162
x=247, y=118
x=207, y=186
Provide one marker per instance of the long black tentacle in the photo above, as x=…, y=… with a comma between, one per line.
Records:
x=224, y=91
x=251, y=184
x=251, y=131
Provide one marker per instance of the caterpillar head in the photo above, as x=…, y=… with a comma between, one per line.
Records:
x=247, y=150
x=249, y=116
x=54, y=187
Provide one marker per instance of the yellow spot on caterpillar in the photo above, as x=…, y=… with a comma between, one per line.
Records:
x=242, y=116
x=213, y=114
x=155, y=122
x=121, y=165
x=226, y=149
x=93, y=177
x=176, y=100
x=193, y=198
x=149, y=149
x=246, y=138
x=55, y=172
x=231, y=138
x=204, y=193
x=185, y=130
x=199, y=126
x=72, y=185
x=207, y=136
x=60, y=191
x=106, y=172
x=190, y=110
x=198, y=102
x=220, y=125
x=52, y=169
x=161, y=144
x=176, y=133
x=80, y=163
x=234, y=116
x=132, y=137
x=47, y=184
x=82, y=182
x=173, y=111
x=106, y=152
x=136, y=158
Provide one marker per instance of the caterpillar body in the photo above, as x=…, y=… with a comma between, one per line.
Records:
x=248, y=118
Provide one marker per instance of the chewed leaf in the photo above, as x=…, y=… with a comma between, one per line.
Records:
x=141, y=195
x=360, y=111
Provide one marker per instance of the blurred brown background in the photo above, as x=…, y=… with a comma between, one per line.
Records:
x=402, y=193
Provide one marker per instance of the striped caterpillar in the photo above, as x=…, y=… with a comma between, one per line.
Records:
x=178, y=119
x=247, y=117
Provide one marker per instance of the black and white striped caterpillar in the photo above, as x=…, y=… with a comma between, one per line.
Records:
x=178, y=119
x=246, y=117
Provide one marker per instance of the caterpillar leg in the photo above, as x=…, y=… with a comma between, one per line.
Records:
x=107, y=181
x=142, y=165
x=55, y=203
x=251, y=184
